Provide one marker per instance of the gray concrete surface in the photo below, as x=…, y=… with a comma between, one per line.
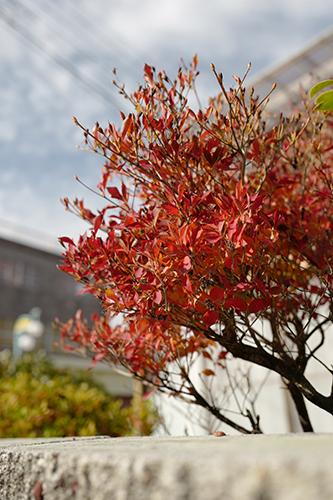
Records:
x=283, y=467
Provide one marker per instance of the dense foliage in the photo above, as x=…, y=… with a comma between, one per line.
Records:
x=39, y=400
x=215, y=223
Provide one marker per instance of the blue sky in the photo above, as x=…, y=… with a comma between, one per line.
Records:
x=53, y=41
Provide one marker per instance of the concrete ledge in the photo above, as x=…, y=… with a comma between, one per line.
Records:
x=284, y=467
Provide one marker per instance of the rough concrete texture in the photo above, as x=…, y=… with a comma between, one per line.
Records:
x=284, y=467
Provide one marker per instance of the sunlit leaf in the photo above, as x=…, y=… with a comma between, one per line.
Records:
x=319, y=86
x=324, y=101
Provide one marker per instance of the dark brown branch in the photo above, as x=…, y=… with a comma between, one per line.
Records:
x=300, y=406
x=287, y=370
x=200, y=401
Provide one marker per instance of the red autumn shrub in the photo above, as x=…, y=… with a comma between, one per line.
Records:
x=212, y=221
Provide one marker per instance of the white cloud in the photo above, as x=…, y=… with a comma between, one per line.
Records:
x=8, y=131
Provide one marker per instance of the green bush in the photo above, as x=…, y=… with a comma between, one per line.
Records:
x=39, y=400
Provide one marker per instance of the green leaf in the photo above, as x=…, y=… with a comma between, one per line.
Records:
x=324, y=101
x=319, y=86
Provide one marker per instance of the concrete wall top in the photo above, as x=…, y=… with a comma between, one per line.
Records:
x=255, y=467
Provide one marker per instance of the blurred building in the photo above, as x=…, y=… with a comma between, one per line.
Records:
x=303, y=69
x=29, y=278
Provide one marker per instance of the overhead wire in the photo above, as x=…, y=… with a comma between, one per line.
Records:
x=96, y=51
x=70, y=43
x=86, y=37
x=67, y=33
x=23, y=30
x=60, y=33
x=62, y=61
x=98, y=28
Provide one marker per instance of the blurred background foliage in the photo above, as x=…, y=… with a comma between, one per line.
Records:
x=39, y=400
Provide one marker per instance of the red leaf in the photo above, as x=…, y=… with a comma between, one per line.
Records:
x=171, y=95
x=139, y=272
x=97, y=222
x=187, y=283
x=275, y=291
x=149, y=76
x=230, y=263
x=255, y=148
x=224, y=164
x=210, y=318
x=212, y=237
x=170, y=209
x=322, y=194
x=157, y=297
x=65, y=239
x=126, y=124
x=124, y=191
x=237, y=304
x=185, y=265
x=217, y=293
x=114, y=193
x=146, y=395
x=260, y=286
x=257, y=305
x=232, y=227
x=97, y=358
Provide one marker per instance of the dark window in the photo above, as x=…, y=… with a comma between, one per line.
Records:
x=18, y=273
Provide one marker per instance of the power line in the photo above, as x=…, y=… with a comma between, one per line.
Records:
x=71, y=31
x=68, y=34
x=59, y=59
x=99, y=29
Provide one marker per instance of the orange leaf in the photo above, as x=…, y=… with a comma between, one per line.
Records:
x=149, y=76
x=208, y=372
